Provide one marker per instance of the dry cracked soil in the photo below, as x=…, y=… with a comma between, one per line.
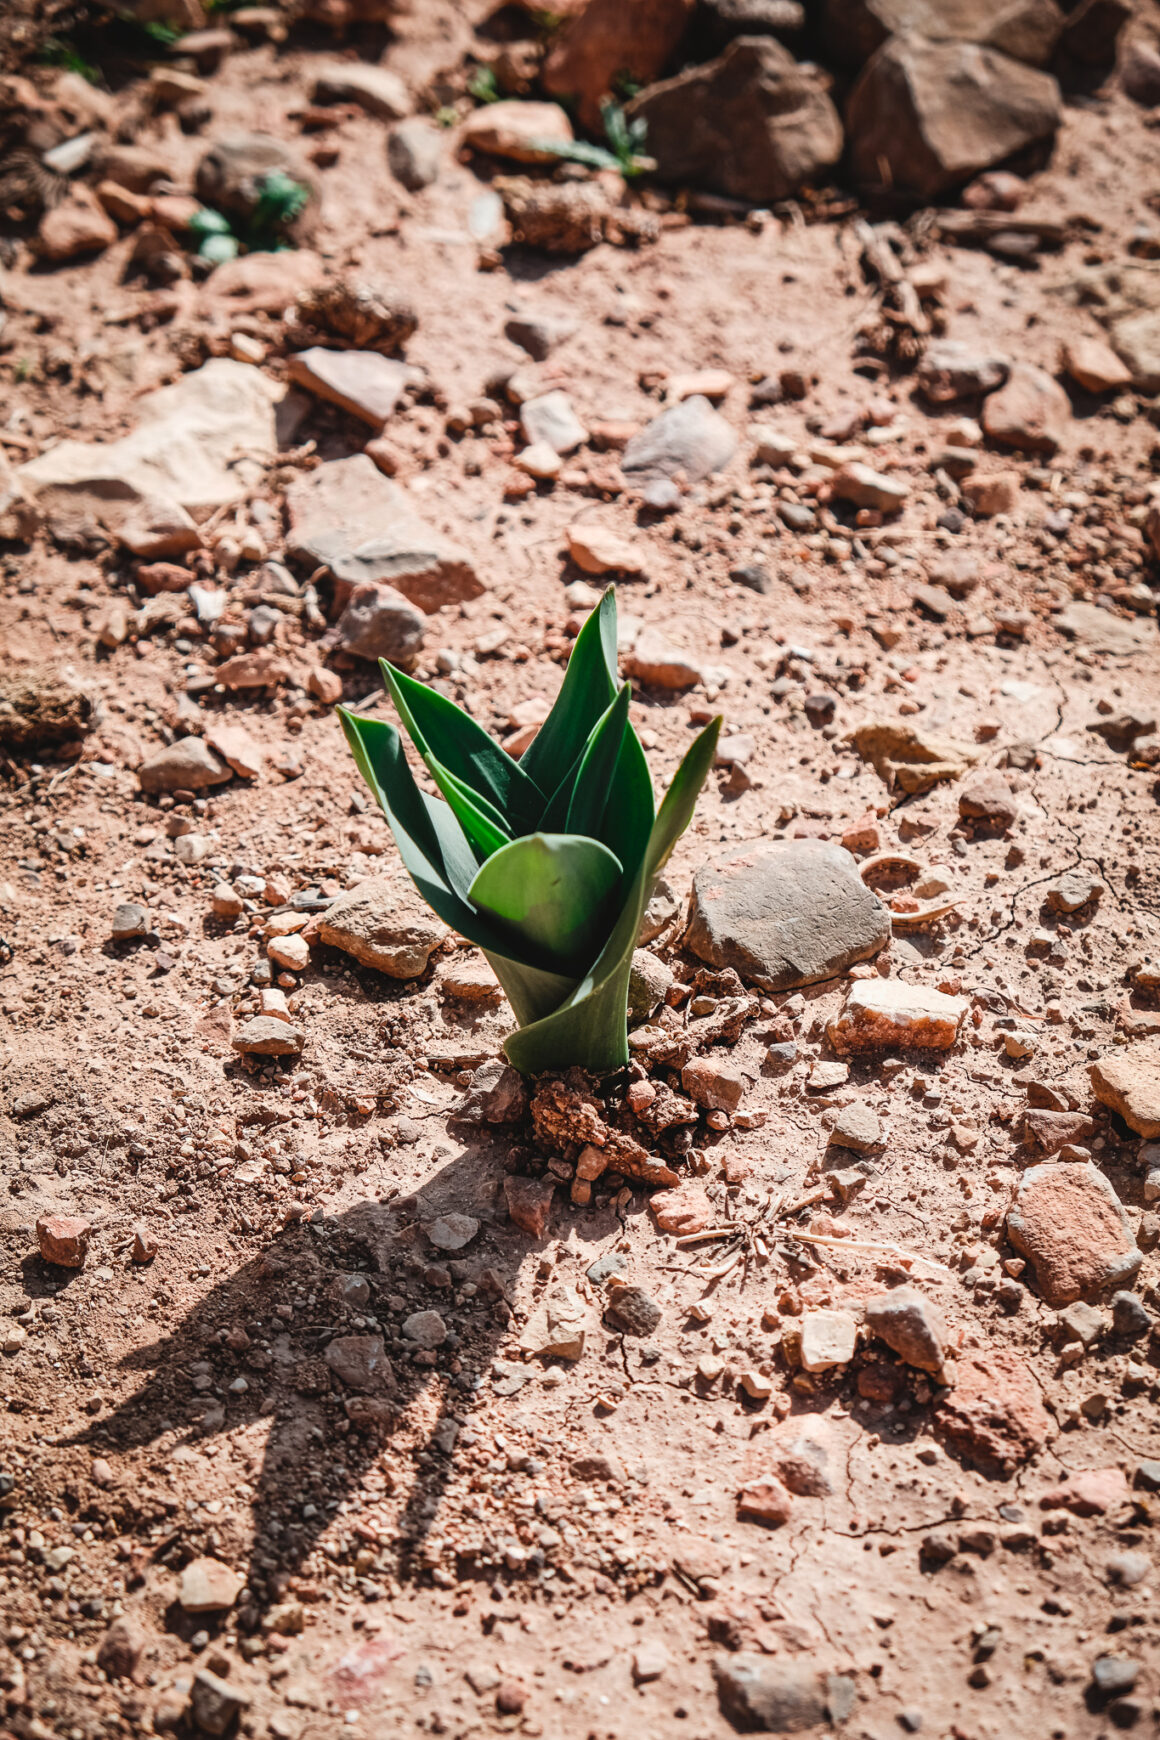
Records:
x=350, y=1385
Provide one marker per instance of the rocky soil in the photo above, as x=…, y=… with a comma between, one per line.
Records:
x=805, y=1377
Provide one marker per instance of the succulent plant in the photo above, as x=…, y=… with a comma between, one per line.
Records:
x=546, y=863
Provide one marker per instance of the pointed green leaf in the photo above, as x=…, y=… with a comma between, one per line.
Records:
x=444, y=733
x=588, y=690
x=590, y=792
x=482, y=824
x=590, y=1028
x=531, y=991
x=628, y=818
x=552, y=893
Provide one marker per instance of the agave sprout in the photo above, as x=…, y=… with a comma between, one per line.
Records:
x=546, y=863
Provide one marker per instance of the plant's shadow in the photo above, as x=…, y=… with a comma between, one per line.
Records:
x=327, y=1431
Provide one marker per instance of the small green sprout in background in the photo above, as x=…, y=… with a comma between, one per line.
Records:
x=281, y=199
x=482, y=86
x=624, y=151
x=545, y=863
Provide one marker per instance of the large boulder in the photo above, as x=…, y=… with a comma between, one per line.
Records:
x=1027, y=30
x=608, y=39
x=785, y=913
x=933, y=114
x=753, y=124
x=351, y=519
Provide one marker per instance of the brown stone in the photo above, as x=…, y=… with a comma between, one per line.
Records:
x=383, y=925
x=1030, y=411
x=1094, y=365
x=1128, y=1081
x=994, y=1415
x=608, y=39
x=121, y=1649
x=529, y=1203
x=63, y=1239
x=517, y=130
x=991, y=493
x=911, y=1325
x=1052, y=1130
x=1068, y=1221
x=363, y=382
x=254, y=670
x=78, y=225
x=988, y=798
x=714, y=1085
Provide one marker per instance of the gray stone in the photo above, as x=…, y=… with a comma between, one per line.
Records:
x=379, y=623
x=633, y=1310
x=648, y=981
x=383, y=926
x=425, y=1328
x=1114, y=1674
x=374, y=88
x=691, y=437
x=452, y=1232
x=550, y=419
x=352, y=520
x=1136, y=341
x=663, y=906
x=1072, y=890
x=497, y=1095
x=363, y=382
x=911, y=1326
x=130, y=920
x=268, y=1036
x=857, y=1126
x=1130, y=1316
x=213, y=1703
x=753, y=125
x=785, y=913
x=415, y=153
x=770, y=1695
x=360, y=1361
x=933, y=114
x=1100, y=631
x=539, y=334
x=187, y=765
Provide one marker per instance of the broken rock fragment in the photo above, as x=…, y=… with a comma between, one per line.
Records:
x=911, y=1325
x=557, y=1327
x=529, y=1203
x=912, y=759
x=349, y=518
x=363, y=382
x=890, y=1013
x=64, y=1239
x=994, y=1414
x=1129, y=1082
x=1069, y=1223
x=383, y=927
x=690, y=437
x=828, y=1338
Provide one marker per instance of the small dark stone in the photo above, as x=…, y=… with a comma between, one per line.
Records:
x=754, y=575
x=939, y=1549
x=952, y=521
x=634, y=1311
x=1129, y=1316
x=910, y=1720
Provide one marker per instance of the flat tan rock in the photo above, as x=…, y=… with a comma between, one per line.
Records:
x=382, y=928
x=1129, y=1082
x=363, y=382
x=883, y=1013
x=517, y=130
x=911, y=758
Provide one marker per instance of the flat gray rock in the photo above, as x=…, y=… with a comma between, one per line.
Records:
x=348, y=517
x=379, y=623
x=691, y=437
x=785, y=913
x=363, y=382
x=187, y=765
x=1099, y=630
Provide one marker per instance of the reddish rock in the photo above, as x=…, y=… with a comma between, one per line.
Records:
x=1052, y=1130
x=1129, y=1082
x=1094, y=365
x=1068, y=1222
x=715, y=1086
x=1088, y=1492
x=991, y=493
x=121, y=1648
x=63, y=1239
x=911, y=1325
x=255, y=670
x=529, y=1202
x=988, y=798
x=994, y=1416
x=886, y=1012
x=78, y=225
x=684, y=1210
x=1030, y=411
x=765, y=1501
x=864, y=835
x=608, y=39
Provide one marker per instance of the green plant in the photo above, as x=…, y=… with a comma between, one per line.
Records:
x=56, y=52
x=624, y=151
x=482, y=86
x=545, y=863
x=281, y=199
